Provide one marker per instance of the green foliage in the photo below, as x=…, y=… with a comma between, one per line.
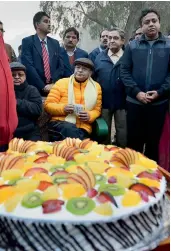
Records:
x=98, y=15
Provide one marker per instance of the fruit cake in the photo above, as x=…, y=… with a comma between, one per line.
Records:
x=78, y=195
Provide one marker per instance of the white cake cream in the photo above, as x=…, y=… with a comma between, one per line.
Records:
x=78, y=195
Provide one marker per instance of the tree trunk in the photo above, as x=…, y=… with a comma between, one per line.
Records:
x=132, y=21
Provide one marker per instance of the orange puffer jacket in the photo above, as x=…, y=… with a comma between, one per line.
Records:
x=58, y=99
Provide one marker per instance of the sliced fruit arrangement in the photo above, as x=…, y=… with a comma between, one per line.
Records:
x=104, y=209
x=80, y=176
x=113, y=189
x=20, y=145
x=32, y=200
x=131, y=198
x=9, y=161
x=30, y=172
x=80, y=206
x=59, y=177
x=52, y=206
x=84, y=176
x=72, y=190
x=143, y=190
x=64, y=151
x=104, y=197
x=125, y=156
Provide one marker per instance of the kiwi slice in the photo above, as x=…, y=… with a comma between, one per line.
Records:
x=114, y=189
x=14, y=182
x=57, y=168
x=80, y=206
x=69, y=163
x=32, y=200
x=59, y=179
x=100, y=179
x=83, y=151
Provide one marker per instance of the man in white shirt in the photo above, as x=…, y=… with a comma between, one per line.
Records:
x=107, y=74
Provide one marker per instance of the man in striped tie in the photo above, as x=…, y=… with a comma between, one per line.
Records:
x=41, y=55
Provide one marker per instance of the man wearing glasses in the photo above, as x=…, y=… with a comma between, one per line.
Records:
x=9, y=50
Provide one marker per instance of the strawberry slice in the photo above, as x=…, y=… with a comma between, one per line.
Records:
x=42, y=154
x=51, y=206
x=104, y=197
x=145, y=174
x=155, y=189
x=144, y=196
x=41, y=159
x=91, y=193
x=159, y=174
x=43, y=185
x=32, y=171
x=138, y=187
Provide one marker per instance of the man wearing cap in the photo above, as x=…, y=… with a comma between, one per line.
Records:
x=75, y=102
x=29, y=104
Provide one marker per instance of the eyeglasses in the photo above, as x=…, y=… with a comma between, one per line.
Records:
x=20, y=75
x=2, y=30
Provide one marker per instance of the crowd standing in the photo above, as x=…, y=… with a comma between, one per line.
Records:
x=129, y=83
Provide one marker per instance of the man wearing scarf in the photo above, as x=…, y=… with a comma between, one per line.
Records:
x=74, y=103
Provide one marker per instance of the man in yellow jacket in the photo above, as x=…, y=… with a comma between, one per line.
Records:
x=74, y=103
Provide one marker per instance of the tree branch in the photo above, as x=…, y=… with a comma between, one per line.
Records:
x=90, y=17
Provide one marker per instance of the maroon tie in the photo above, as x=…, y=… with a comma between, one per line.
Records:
x=46, y=62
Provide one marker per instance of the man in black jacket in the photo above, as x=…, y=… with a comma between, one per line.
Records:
x=29, y=104
x=145, y=72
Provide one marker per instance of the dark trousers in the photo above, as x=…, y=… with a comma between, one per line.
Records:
x=3, y=148
x=144, y=126
x=33, y=135
x=62, y=129
x=120, y=126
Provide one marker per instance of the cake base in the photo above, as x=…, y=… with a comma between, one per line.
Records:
x=143, y=231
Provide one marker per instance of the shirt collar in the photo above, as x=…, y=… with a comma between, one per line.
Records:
x=45, y=39
x=118, y=54
x=70, y=53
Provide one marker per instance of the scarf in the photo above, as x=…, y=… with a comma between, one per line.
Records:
x=90, y=97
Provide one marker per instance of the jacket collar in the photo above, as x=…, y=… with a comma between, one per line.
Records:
x=161, y=38
x=105, y=57
x=21, y=87
x=38, y=46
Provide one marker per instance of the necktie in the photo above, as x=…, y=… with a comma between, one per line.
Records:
x=46, y=62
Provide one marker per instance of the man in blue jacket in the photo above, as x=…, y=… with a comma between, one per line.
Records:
x=103, y=45
x=107, y=74
x=145, y=72
x=70, y=51
x=41, y=56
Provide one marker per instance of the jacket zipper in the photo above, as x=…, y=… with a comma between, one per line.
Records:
x=149, y=66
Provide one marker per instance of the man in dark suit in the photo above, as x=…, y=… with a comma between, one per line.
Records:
x=41, y=56
x=70, y=52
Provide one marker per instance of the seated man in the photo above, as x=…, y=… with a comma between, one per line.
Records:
x=29, y=104
x=75, y=102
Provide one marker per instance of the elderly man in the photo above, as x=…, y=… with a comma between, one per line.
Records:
x=75, y=102
x=29, y=104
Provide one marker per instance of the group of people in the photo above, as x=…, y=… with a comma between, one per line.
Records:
x=130, y=82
